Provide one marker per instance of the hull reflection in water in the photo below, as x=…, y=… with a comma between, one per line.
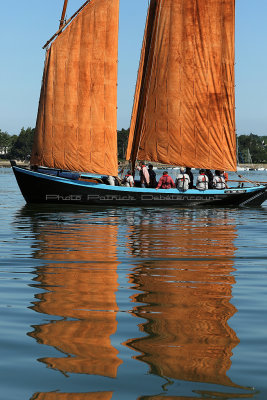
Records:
x=185, y=299
x=82, y=290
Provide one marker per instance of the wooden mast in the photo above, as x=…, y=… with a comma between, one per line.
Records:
x=67, y=22
x=63, y=14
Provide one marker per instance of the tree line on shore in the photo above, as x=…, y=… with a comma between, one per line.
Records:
x=250, y=148
x=19, y=147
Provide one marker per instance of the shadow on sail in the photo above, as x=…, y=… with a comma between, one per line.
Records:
x=80, y=287
x=185, y=296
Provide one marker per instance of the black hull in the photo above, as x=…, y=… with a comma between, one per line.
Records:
x=45, y=189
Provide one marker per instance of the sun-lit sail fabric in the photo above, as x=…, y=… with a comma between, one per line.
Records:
x=77, y=118
x=184, y=107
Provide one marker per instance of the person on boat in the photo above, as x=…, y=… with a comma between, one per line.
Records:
x=218, y=180
x=210, y=177
x=225, y=175
x=111, y=180
x=165, y=182
x=202, y=180
x=183, y=180
x=190, y=174
x=152, y=177
x=144, y=175
x=120, y=169
x=128, y=180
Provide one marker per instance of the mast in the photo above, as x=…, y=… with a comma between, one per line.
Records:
x=63, y=14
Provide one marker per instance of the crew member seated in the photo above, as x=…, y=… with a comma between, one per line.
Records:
x=218, y=180
x=128, y=180
x=165, y=182
x=182, y=181
x=202, y=180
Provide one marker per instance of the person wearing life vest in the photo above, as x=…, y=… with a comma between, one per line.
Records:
x=218, y=180
x=111, y=180
x=165, y=182
x=202, y=180
x=128, y=180
x=182, y=181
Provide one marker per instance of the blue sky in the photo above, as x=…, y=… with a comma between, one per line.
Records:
x=27, y=24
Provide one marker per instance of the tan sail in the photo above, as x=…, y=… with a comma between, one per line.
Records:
x=184, y=107
x=76, y=125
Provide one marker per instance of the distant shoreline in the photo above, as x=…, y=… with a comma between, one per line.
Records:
x=6, y=164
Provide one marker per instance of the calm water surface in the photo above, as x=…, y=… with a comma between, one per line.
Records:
x=139, y=303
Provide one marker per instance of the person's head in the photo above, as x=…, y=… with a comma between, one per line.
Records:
x=150, y=166
x=217, y=172
x=182, y=170
x=188, y=169
x=165, y=172
x=129, y=173
x=202, y=171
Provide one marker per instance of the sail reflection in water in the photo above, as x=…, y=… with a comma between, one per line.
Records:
x=180, y=272
x=72, y=396
x=185, y=299
x=81, y=288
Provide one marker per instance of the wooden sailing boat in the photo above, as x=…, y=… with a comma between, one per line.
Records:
x=183, y=111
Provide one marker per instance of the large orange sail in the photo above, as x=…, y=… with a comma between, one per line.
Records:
x=76, y=125
x=184, y=107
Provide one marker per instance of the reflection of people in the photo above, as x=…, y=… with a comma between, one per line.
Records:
x=152, y=177
x=144, y=175
x=218, y=180
x=165, y=182
x=182, y=180
x=202, y=180
x=128, y=180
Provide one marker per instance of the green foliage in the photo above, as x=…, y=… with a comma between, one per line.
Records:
x=5, y=143
x=122, y=142
x=252, y=149
x=22, y=145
